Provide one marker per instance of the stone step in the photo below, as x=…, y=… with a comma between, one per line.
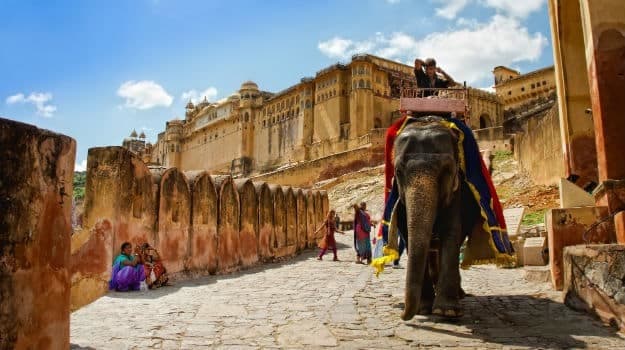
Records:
x=537, y=273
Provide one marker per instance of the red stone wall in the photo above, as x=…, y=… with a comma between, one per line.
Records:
x=174, y=221
x=228, y=225
x=36, y=174
x=291, y=220
x=279, y=221
x=204, y=243
x=311, y=220
x=248, y=234
x=265, y=221
x=302, y=226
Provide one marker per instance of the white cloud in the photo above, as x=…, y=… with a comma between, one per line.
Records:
x=450, y=8
x=38, y=99
x=340, y=48
x=144, y=94
x=82, y=166
x=514, y=8
x=195, y=96
x=468, y=53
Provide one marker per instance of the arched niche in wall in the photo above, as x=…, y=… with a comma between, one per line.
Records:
x=248, y=234
x=204, y=216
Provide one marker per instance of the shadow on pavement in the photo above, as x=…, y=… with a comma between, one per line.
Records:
x=519, y=320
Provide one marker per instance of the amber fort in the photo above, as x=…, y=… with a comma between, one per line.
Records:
x=342, y=108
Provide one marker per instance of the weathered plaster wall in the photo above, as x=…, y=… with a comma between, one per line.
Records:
x=36, y=172
x=204, y=242
x=279, y=220
x=302, y=226
x=228, y=224
x=291, y=220
x=311, y=219
x=265, y=221
x=174, y=221
x=538, y=148
x=248, y=234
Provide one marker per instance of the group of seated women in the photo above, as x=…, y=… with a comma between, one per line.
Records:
x=130, y=269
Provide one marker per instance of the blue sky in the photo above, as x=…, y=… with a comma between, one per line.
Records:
x=95, y=70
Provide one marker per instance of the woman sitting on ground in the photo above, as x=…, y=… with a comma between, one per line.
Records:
x=127, y=270
x=155, y=273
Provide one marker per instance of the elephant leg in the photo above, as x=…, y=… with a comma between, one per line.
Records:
x=427, y=291
x=447, y=300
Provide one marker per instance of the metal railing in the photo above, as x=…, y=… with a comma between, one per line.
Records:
x=452, y=93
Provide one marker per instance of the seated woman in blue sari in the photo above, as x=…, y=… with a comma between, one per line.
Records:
x=127, y=271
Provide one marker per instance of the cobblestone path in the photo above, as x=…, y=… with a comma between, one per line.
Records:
x=308, y=304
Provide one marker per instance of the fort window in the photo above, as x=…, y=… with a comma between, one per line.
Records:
x=297, y=111
x=509, y=92
x=523, y=89
x=361, y=83
x=264, y=123
x=544, y=83
x=533, y=86
x=368, y=84
x=247, y=117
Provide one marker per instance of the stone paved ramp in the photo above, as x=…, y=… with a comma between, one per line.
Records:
x=310, y=304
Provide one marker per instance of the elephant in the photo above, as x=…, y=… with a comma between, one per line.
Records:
x=434, y=205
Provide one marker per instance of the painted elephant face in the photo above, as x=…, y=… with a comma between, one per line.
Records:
x=427, y=149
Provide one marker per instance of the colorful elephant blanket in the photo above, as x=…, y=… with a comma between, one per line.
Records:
x=490, y=244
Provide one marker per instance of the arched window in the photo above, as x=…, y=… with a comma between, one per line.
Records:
x=361, y=83
x=368, y=84
x=308, y=104
x=485, y=121
x=377, y=123
x=247, y=117
x=297, y=111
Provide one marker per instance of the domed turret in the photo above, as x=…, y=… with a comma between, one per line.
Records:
x=190, y=105
x=142, y=136
x=249, y=85
x=133, y=133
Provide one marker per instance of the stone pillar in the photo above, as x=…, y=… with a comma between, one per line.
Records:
x=311, y=220
x=578, y=141
x=291, y=220
x=204, y=215
x=248, y=234
x=301, y=219
x=279, y=221
x=265, y=221
x=174, y=220
x=228, y=224
x=36, y=174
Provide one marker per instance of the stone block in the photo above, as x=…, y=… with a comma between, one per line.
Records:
x=569, y=226
x=36, y=174
x=513, y=217
x=593, y=281
x=572, y=196
x=541, y=274
x=534, y=251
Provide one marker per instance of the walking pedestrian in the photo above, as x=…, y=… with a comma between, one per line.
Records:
x=328, y=240
x=362, y=231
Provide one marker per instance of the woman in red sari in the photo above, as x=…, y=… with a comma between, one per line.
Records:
x=155, y=273
x=329, y=241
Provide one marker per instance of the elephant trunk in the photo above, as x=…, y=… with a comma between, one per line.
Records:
x=421, y=199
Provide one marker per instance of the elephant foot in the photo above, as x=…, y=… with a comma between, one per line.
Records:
x=449, y=309
x=425, y=306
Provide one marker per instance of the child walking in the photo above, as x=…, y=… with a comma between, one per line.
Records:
x=330, y=242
